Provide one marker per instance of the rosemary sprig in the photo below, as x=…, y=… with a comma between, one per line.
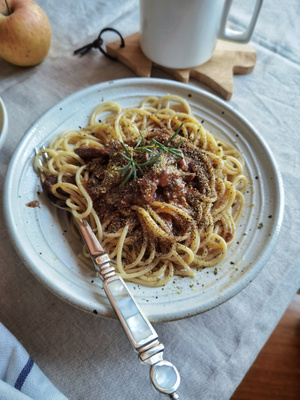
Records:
x=130, y=169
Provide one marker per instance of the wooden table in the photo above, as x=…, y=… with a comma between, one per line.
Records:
x=275, y=373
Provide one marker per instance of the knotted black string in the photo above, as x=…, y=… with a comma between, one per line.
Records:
x=97, y=44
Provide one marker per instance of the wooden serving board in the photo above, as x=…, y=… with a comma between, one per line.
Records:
x=228, y=59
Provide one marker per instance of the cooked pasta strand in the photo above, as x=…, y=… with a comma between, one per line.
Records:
x=190, y=196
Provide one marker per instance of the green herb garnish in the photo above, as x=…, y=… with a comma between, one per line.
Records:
x=155, y=148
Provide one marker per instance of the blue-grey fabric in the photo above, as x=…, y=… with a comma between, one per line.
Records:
x=20, y=377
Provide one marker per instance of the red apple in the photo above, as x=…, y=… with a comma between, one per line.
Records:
x=25, y=32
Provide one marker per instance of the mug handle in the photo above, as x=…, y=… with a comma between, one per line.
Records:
x=236, y=36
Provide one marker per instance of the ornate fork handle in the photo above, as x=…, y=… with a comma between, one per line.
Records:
x=138, y=329
x=140, y=332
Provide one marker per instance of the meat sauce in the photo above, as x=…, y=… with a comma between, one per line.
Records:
x=185, y=181
x=181, y=181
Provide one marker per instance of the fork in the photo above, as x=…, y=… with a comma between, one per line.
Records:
x=163, y=374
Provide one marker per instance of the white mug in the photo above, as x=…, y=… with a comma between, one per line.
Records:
x=183, y=33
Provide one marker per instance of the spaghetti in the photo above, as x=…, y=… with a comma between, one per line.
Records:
x=162, y=194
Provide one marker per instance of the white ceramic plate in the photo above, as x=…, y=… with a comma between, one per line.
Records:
x=42, y=237
x=3, y=123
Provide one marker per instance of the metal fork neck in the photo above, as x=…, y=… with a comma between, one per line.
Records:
x=138, y=329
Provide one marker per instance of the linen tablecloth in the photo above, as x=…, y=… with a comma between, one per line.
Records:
x=88, y=357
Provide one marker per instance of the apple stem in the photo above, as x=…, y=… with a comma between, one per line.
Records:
x=8, y=10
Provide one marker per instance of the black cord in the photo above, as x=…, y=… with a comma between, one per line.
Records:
x=97, y=44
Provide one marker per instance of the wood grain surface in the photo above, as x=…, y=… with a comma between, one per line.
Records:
x=275, y=374
x=217, y=73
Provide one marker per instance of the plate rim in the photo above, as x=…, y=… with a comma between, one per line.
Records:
x=231, y=291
